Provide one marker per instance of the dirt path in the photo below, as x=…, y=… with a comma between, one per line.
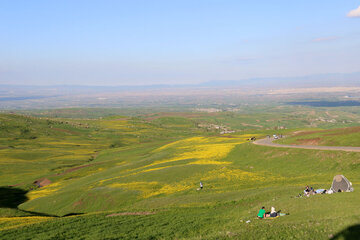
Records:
x=268, y=142
x=74, y=169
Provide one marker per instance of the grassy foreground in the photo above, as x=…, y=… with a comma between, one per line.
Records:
x=149, y=172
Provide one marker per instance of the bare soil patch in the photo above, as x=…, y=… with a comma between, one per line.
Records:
x=130, y=214
x=330, y=115
x=303, y=133
x=337, y=132
x=312, y=141
x=268, y=142
x=78, y=203
x=343, y=131
x=16, y=185
x=42, y=182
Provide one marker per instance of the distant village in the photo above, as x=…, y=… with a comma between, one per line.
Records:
x=221, y=128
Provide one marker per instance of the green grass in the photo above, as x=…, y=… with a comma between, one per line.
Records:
x=335, y=137
x=309, y=218
x=138, y=165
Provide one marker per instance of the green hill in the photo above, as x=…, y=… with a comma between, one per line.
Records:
x=335, y=137
x=129, y=178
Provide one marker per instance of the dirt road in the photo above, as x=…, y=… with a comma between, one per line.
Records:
x=268, y=142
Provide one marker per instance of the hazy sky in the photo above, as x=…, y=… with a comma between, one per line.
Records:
x=133, y=42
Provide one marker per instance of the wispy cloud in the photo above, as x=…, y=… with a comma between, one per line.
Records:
x=354, y=13
x=324, y=39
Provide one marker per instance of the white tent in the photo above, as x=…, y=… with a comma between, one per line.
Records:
x=340, y=183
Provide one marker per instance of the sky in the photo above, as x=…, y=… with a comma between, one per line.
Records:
x=145, y=42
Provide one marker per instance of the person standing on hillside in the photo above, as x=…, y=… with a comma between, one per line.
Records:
x=201, y=185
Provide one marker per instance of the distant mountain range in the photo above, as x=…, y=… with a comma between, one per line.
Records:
x=320, y=80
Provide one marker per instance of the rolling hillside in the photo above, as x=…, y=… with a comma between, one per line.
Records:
x=335, y=137
x=122, y=177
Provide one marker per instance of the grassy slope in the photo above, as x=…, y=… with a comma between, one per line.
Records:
x=334, y=137
x=143, y=175
x=31, y=148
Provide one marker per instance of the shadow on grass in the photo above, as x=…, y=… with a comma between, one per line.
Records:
x=350, y=233
x=11, y=197
x=72, y=214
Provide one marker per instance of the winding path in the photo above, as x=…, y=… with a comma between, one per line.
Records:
x=269, y=142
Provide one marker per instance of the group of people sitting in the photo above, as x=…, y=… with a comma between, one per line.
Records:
x=311, y=191
x=307, y=192
x=273, y=213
